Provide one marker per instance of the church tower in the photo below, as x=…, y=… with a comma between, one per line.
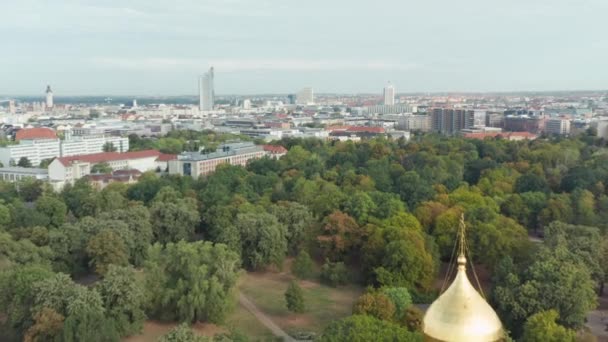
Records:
x=461, y=314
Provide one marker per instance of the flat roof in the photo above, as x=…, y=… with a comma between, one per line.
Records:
x=23, y=170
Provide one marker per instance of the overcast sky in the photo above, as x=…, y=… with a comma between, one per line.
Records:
x=154, y=47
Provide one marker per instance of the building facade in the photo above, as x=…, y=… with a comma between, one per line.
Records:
x=389, y=95
x=15, y=174
x=197, y=164
x=206, y=91
x=49, y=97
x=557, y=126
x=35, y=151
x=451, y=121
x=305, y=96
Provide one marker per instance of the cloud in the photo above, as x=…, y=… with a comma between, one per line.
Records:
x=232, y=65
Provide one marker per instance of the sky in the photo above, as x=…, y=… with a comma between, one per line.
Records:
x=154, y=47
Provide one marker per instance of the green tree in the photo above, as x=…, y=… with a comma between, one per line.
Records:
x=555, y=279
x=263, y=239
x=298, y=220
x=190, y=281
x=294, y=298
x=24, y=162
x=302, y=265
x=44, y=164
x=53, y=208
x=334, y=273
x=542, y=327
x=103, y=168
x=17, y=292
x=375, y=304
x=137, y=218
x=105, y=249
x=109, y=147
x=400, y=297
x=182, y=333
x=175, y=221
x=362, y=328
x=123, y=299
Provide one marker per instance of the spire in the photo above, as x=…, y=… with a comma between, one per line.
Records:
x=462, y=260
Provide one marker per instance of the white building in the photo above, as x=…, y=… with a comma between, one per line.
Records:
x=412, y=122
x=89, y=144
x=206, y=91
x=66, y=170
x=196, y=164
x=557, y=126
x=247, y=104
x=389, y=95
x=34, y=150
x=15, y=174
x=305, y=96
x=49, y=97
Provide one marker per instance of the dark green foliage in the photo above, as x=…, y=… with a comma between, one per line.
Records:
x=302, y=265
x=123, y=299
x=262, y=240
x=294, y=298
x=334, y=273
x=24, y=162
x=361, y=328
x=182, y=333
x=190, y=282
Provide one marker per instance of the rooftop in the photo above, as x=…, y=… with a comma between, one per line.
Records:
x=35, y=133
x=23, y=170
x=102, y=157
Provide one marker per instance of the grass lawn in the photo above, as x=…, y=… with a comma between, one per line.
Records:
x=323, y=303
x=246, y=323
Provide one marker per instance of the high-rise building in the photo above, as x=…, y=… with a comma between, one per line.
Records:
x=557, y=126
x=305, y=96
x=389, y=95
x=291, y=99
x=206, y=91
x=11, y=106
x=49, y=97
x=451, y=121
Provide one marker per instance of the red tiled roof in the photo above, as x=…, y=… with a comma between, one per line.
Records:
x=35, y=133
x=166, y=157
x=97, y=158
x=365, y=129
x=275, y=149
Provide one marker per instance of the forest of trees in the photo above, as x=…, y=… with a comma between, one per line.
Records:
x=89, y=265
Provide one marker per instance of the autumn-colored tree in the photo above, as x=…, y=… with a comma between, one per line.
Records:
x=105, y=249
x=375, y=304
x=340, y=233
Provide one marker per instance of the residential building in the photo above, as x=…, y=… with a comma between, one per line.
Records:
x=206, y=91
x=198, y=164
x=305, y=96
x=66, y=170
x=35, y=150
x=513, y=136
x=389, y=95
x=100, y=181
x=388, y=109
x=451, y=121
x=89, y=144
x=411, y=122
x=15, y=174
x=557, y=126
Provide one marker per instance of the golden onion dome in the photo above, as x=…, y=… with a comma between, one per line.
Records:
x=461, y=314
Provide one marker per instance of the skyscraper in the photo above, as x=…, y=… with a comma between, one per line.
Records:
x=451, y=121
x=305, y=96
x=49, y=97
x=389, y=95
x=206, y=91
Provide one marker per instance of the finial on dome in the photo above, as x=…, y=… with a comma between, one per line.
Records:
x=462, y=260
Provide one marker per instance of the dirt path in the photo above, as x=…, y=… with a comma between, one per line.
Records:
x=265, y=320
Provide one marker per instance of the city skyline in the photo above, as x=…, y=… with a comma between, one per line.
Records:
x=152, y=49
